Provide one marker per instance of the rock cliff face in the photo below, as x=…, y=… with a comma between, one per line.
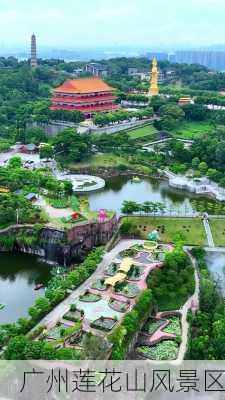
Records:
x=59, y=246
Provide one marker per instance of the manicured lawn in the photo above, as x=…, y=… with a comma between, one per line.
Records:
x=218, y=231
x=191, y=130
x=137, y=133
x=191, y=228
x=101, y=160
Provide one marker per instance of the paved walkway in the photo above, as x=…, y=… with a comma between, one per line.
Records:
x=208, y=232
x=194, y=299
x=57, y=313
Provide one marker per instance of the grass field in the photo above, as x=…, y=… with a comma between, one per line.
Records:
x=141, y=132
x=191, y=130
x=192, y=229
x=101, y=160
x=218, y=231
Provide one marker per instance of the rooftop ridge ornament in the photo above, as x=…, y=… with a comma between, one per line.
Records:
x=154, y=89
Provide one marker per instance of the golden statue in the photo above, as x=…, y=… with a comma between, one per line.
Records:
x=154, y=89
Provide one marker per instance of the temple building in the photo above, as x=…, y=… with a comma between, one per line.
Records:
x=88, y=95
x=154, y=89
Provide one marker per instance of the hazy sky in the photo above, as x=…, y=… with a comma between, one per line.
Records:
x=76, y=23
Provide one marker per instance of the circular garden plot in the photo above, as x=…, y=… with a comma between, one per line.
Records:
x=90, y=297
x=127, y=289
x=104, y=323
x=99, y=284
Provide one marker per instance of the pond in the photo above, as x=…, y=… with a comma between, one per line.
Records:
x=122, y=188
x=216, y=264
x=19, y=274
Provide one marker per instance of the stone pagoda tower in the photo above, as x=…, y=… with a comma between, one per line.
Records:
x=154, y=89
x=33, y=53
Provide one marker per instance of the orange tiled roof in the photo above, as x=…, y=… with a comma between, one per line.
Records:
x=85, y=85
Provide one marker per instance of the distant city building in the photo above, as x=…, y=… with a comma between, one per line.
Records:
x=33, y=55
x=78, y=71
x=146, y=75
x=97, y=69
x=160, y=56
x=154, y=89
x=88, y=95
x=211, y=59
x=132, y=71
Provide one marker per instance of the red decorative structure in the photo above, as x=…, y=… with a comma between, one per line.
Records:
x=102, y=215
x=75, y=215
x=88, y=95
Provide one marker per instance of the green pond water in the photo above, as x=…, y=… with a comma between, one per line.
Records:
x=19, y=273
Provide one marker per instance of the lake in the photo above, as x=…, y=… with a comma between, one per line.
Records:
x=18, y=275
x=122, y=188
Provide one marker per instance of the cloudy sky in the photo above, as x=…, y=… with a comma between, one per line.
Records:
x=76, y=23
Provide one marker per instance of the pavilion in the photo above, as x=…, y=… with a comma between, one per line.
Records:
x=88, y=95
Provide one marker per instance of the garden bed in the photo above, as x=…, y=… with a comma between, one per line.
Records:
x=56, y=332
x=104, y=323
x=174, y=326
x=166, y=350
x=152, y=325
x=111, y=270
x=135, y=273
x=74, y=315
x=99, y=284
x=127, y=289
x=59, y=203
x=131, y=252
x=120, y=306
x=90, y=297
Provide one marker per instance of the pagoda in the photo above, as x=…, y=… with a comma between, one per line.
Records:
x=154, y=89
x=33, y=52
x=88, y=95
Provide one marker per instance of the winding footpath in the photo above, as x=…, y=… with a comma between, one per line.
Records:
x=192, y=302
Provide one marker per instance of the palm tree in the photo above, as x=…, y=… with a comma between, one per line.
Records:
x=147, y=207
x=129, y=207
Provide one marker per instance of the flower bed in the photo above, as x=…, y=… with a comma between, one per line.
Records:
x=90, y=297
x=119, y=306
x=150, y=245
x=135, y=273
x=74, y=316
x=166, y=350
x=129, y=252
x=127, y=289
x=59, y=203
x=103, y=323
x=56, y=332
x=174, y=326
x=152, y=325
x=111, y=269
x=99, y=284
